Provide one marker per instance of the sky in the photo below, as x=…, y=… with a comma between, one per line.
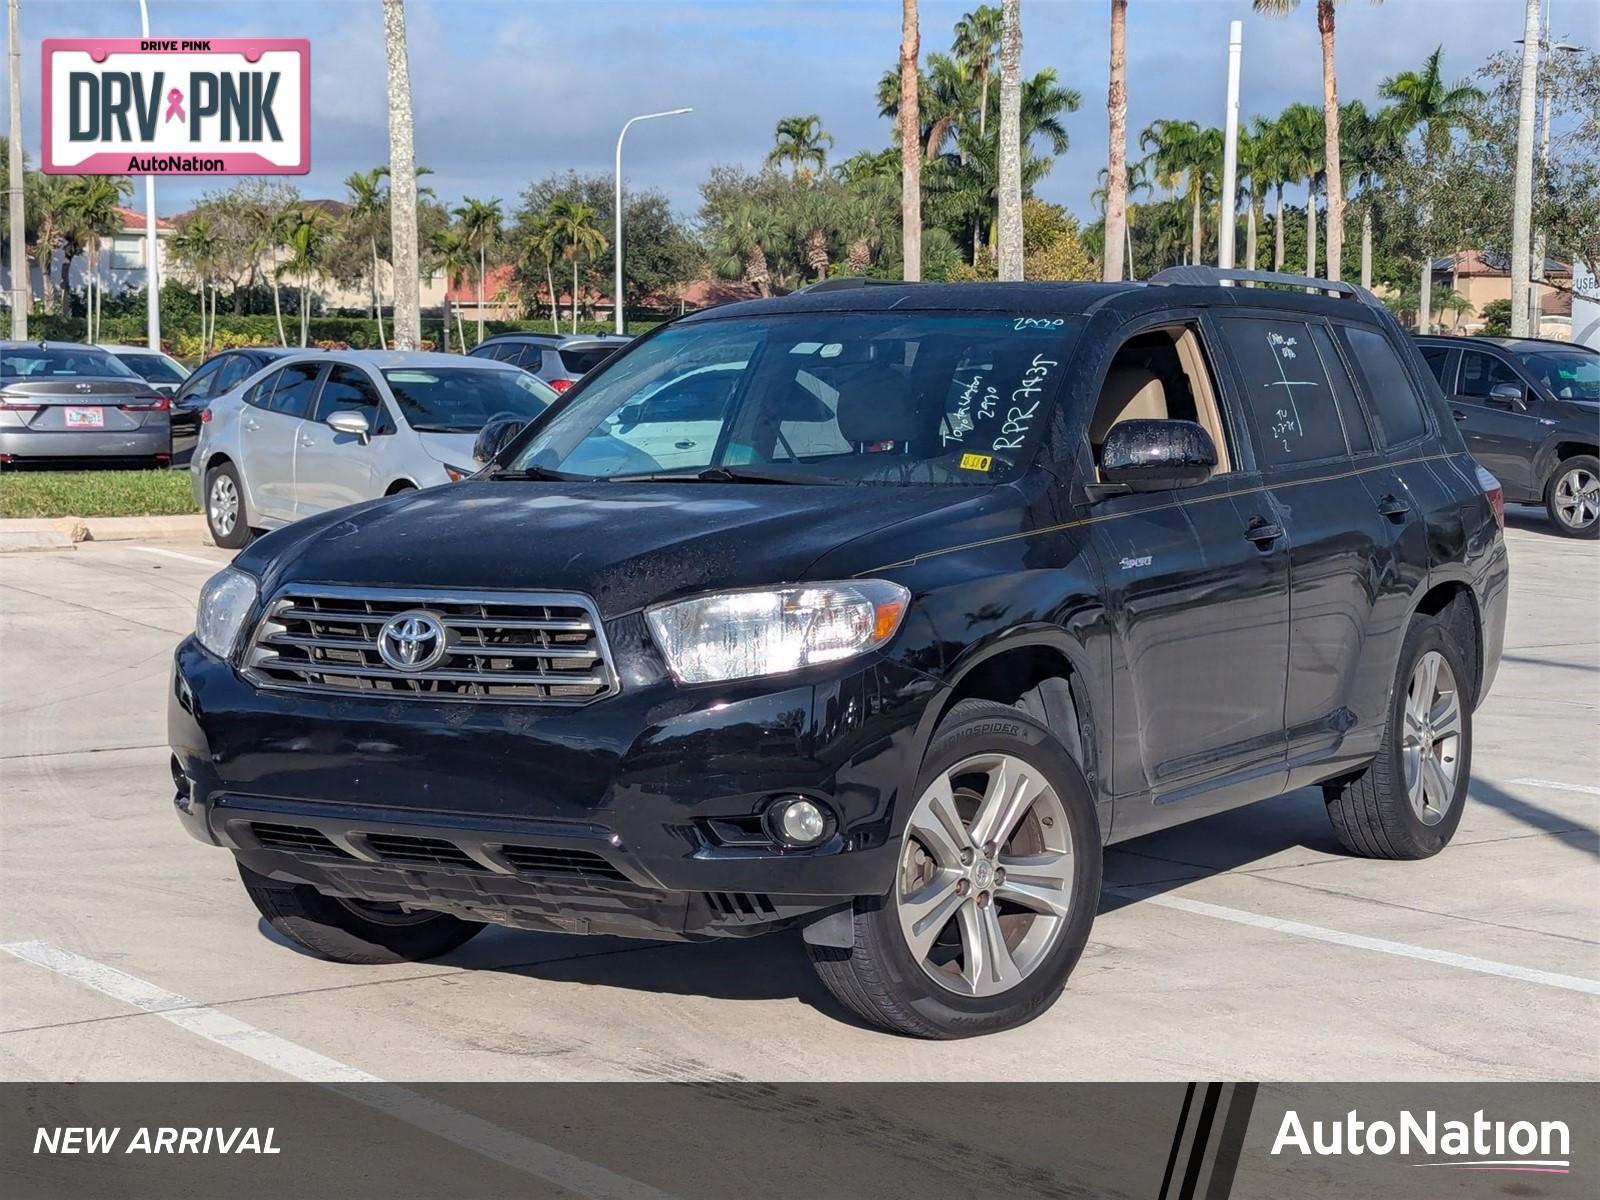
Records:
x=508, y=91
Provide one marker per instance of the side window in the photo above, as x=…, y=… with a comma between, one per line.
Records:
x=1160, y=374
x=491, y=350
x=1393, y=396
x=204, y=380
x=297, y=388
x=530, y=356
x=1344, y=391
x=1480, y=373
x=234, y=373
x=1287, y=390
x=258, y=395
x=349, y=388
x=1438, y=358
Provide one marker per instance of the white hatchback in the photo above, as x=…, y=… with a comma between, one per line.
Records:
x=324, y=429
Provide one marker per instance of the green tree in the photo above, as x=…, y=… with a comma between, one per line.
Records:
x=741, y=241
x=574, y=227
x=1182, y=152
x=91, y=211
x=977, y=42
x=802, y=142
x=480, y=228
x=368, y=217
x=306, y=247
x=452, y=252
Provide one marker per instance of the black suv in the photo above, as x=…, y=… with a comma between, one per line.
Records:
x=1529, y=410
x=967, y=581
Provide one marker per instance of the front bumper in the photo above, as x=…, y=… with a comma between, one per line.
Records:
x=630, y=816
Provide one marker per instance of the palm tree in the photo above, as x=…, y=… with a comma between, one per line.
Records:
x=306, y=243
x=453, y=252
x=977, y=41
x=1116, y=163
x=544, y=240
x=910, y=146
x=480, y=227
x=739, y=249
x=91, y=211
x=813, y=212
x=1135, y=180
x=868, y=210
x=196, y=245
x=802, y=142
x=1422, y=100
x=1010, y=214
x=1299, y=132
x=1365, y=145
x=47, y=200
x=403, y=177
x=272, y=239
x=1181, y=150
x=369, y=211
x=579, y=237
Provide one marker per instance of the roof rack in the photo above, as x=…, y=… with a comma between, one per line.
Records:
x=843, y=283
x=1214, y=276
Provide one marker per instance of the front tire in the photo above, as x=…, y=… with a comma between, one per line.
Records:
x=997, y=888
x=1407, y=803
x=1572, y=497
x=350, y=931
x=227, y=519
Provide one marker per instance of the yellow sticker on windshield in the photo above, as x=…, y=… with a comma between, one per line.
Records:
x=976, y=462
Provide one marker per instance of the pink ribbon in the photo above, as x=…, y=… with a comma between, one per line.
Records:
x=175, y=105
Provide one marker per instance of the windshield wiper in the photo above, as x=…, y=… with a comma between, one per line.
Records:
x=544, y=473
x=726, y=475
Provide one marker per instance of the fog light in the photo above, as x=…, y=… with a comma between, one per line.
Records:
x=798, y=823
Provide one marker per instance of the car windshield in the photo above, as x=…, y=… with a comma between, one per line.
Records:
x=60, y=362
x=889, y=398
x=1568, y=374
x=464, y=399
x=154, y=368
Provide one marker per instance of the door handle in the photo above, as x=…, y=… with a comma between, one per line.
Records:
x=1263, y=533
x=251, y=425
x=1394, y=508
x=1458, y=414
x=308, y=443
x=683, y=445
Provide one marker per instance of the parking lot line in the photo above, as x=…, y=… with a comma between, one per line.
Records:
x=465, y=1130
x=1582, y=788
x=194, y=558
x=1465, y=962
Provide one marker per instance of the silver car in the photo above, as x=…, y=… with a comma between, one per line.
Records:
x=320, y=430
x=65, y=402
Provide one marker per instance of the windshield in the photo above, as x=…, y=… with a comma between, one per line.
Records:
x=1568, y=374
x=464, y=399
x=59, y=362
x=895, y=397
x=154, y=368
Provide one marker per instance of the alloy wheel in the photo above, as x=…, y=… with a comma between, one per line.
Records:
x=1577, y=498
x=223, y=508
x=1431, y=747
x=985, y=881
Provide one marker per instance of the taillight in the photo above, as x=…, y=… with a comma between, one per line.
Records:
x=1495, y=494
x=205, y=416
x=155, y=402
x=18, y=406
x=561, y=385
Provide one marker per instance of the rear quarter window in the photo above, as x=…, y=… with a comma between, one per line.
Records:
x=1391, y=394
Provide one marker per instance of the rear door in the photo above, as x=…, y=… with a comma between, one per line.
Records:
x=269, y=438
x=1503, y=435
x=334, y=469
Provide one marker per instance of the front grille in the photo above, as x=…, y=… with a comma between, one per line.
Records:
x=294, y=839
x=420, y=851
x=549, y=860
x=741, y=906
x=537, y=647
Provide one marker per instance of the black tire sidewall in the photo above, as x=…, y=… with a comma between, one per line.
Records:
x=1426, y=635
x=1592, y=464
x=996, y=728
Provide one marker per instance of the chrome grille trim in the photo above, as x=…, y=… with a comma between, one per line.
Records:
x=504, y=647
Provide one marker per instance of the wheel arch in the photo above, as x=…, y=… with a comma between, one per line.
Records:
x=398, y=486
x=1455, y=604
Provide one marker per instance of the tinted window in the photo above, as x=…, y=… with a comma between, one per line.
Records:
x=296, y=388
x=1393, y=396
x=203, y=382
x=262, y=391
x=238, y=367
x=464, y=399
x=529, y=356
x=1354, y=420
x=46, y=362
x=492, y=350
x=892, y=398
x=1569, y=374
x=154, y=368
x=1481, y=373
x=580, y=361
x=349, y=388
x=1437, y=359
x=1286, y=389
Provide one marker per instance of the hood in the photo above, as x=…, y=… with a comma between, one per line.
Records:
x=625, y=545
x=452, y=448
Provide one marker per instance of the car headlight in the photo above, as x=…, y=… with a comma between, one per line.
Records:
x=457, y=474
x=740, y=635
x=225, y=601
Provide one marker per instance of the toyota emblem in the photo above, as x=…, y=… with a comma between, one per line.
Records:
x=412, y=641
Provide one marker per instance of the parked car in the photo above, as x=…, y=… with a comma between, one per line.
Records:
x=1076, y=562
x=321, y=430
x=558, y=360
x=1529, y=410
x=66, y=402
x=220, y=373
x=161, y=371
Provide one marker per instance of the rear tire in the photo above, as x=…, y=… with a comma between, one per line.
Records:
x=984, y=922
x=227, y=518
x=1572, y=497
x=1408, y=801
x=349, y=931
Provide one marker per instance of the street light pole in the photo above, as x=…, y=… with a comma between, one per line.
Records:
x=21, y=283
x=617, y=307
x=152, y=280
x=1230, y=149
x=1522, y=197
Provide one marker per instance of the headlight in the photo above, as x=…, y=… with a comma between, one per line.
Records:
x=225, y=601
x=457, y=474
x=739, y=635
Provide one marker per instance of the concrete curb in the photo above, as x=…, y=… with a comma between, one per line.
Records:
x=66, y=532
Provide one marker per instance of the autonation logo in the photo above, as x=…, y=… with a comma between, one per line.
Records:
x=1476, y=1145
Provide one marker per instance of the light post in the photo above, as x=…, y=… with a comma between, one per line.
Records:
x=1230, y=149
x=617, y=306
x=1536, y=276
x=152, y=281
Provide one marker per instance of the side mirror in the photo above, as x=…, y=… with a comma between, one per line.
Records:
x=629, y=415
x=1509, y=395
x=493, y=438
x=352, y=421
x=1151, y=456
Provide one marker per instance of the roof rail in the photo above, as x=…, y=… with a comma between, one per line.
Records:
x=843, y=283
x=1214, y=276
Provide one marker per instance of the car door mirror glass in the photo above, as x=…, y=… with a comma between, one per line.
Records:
x=629, y=415
x=1153, y=455
x=494, y=437
x=351, y=421
x=1509, y=395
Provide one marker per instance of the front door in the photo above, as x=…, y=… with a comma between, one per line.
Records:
x=1501, y=434
x=333, y=469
